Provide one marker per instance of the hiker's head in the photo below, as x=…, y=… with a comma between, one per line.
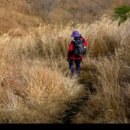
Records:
x=76, y=34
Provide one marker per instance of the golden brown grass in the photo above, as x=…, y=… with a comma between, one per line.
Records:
x=16, y=14
x=34, y=82
x=31, y=90
x=111, y=103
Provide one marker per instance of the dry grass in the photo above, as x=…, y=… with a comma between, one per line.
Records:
x=31, y=87
x=16, y=14
x=109, y=103
x=110, y=89
x=103, y=37
x=34, y=82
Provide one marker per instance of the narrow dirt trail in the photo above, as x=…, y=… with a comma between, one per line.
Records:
x=76, y=106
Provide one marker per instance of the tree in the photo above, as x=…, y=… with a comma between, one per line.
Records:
x=122, y=13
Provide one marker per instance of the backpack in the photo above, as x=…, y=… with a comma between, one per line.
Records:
x=79, y=49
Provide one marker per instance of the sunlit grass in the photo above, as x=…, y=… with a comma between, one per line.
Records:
x=34, y=78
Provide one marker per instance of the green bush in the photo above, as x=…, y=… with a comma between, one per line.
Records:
x=122, y=13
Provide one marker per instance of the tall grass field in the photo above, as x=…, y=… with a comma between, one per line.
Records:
x=35, y=81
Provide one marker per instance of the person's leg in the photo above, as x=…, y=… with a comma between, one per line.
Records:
x=71, y=66
x=78, y=63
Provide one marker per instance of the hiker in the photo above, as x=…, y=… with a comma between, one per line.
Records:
x=76, y=52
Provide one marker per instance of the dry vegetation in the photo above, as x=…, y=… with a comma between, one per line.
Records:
x=29, y=13
x=16, y=14
x=79, y=11
x=35, y=86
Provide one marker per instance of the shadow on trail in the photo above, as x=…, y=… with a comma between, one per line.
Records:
x=76, y=106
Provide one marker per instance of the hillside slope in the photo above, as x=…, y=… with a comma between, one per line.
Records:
x=16, y=13
x=30, y=13
x=76, y=10
x=36, y=85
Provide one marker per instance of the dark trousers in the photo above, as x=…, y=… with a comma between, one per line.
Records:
x=74, y=66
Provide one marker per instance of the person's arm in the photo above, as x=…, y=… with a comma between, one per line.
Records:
x=70, y=50
x=85, y=45
x=85, y=42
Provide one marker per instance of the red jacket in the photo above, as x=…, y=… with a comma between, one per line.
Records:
x=71, y=48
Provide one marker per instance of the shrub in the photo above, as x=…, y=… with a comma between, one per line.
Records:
x=122, y=13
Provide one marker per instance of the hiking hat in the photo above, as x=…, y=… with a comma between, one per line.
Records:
x=75, y=34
